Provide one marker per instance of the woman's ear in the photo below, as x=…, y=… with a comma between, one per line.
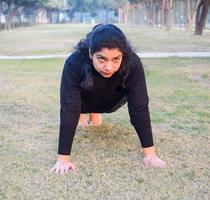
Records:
x=90, y=54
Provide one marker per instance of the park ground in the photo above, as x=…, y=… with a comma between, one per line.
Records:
x=108, y=157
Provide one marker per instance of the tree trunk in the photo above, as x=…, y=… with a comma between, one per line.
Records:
x=163, y=14
x=194, y=11
x=189, y=16
x=0, y=14
x=191, y=12
x=166, y=15
x=127, y=10
x=157, y=11
x=171, y=19
x=150, y=13
x=119, y=15
x=201, y=15
x=8, y=17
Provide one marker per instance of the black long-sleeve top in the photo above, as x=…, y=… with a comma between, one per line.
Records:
x=84, y=90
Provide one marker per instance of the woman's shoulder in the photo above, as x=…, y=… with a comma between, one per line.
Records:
x=135, y=61
x=72, y=65
x=74, y=58
x=134, y=65
x=136, y=68
x=77, y=65
x=76, y=61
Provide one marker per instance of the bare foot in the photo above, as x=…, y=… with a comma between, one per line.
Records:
x=95, y=119
x=82, y=120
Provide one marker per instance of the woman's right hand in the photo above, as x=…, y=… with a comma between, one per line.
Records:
x=63, y=165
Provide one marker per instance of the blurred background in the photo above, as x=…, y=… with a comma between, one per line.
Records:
x=167, y=14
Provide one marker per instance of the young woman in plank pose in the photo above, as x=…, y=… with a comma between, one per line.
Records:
x=101, y=75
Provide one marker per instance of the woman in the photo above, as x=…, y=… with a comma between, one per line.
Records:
x=99, y=77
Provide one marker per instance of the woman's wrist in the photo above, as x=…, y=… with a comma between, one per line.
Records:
x=149, y=151
x=63, y=157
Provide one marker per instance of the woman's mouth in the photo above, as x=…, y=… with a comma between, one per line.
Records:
x=106, y=74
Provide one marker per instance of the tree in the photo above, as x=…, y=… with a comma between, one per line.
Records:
x=7, y=10
x=0, y=14
x=201, y=15
x=56, y=4
x=122, y=6
x=10, y=8
x=153, y=8
x=166, y=14
x=191, y=11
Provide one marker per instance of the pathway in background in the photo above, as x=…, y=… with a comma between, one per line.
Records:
x=142, y=55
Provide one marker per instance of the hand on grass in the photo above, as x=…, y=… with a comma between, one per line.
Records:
x=150, y=158
x=63, y=165
x=154, y=161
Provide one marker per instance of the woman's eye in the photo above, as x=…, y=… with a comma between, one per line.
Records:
x=116, y=59
x=101, y=59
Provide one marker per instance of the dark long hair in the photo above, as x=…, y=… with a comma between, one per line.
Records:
x=106, y=36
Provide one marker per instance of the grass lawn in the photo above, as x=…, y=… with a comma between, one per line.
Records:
x=109, y=157
x=60, y=39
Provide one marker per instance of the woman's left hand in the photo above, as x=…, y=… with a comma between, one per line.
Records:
x=154, y=161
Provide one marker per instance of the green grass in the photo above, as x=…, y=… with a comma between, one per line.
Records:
x=109, y=157
x=61, y=39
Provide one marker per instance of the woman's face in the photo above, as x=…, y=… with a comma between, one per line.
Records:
x=107, y=61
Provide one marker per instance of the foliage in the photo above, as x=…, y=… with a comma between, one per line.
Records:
x=59, y=4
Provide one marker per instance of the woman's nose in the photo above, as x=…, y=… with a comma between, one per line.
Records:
x=108, y=67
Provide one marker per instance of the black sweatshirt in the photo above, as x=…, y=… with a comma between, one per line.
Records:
x=84, y=90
